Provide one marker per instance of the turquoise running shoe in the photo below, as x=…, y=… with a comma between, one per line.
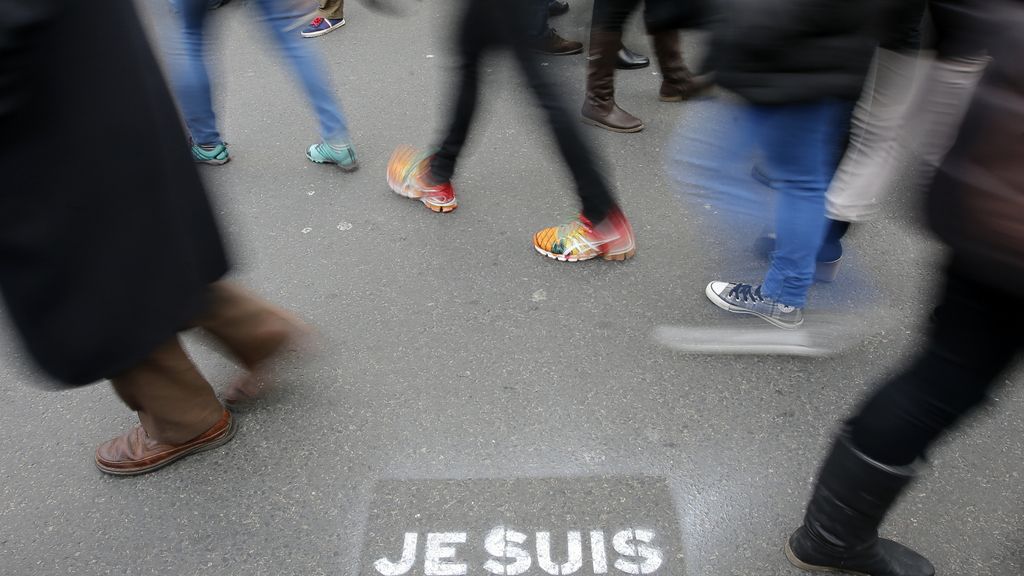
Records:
x=215, y=154
x=342, y=155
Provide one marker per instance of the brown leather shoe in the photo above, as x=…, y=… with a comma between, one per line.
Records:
x=599, y=107
x=134, y=452
x=554, y=45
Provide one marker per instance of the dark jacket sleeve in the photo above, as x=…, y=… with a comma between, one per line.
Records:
x=20, y=21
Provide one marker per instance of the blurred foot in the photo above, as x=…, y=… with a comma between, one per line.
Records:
x=409, y=176
x=135, y=452
x=580, y=239
x=321, y=26
x=215, y=154
x=343, y=156
x=747, y=299
x=557, y=7
x=554, y=45
x=629, y=60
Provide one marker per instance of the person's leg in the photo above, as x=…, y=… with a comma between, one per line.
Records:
x=973, y=340
x=542, y=37
x=595, y=196
x=190, y=79
x=800, y=147
x=310, y=69
x=333, y=9
x=472, y=41
x=602, y=230
x=178, y=411
x=599, y=106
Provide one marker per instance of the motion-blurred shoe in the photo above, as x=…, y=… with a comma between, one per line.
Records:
x=580, y=239
x=554, y=45
x=134, y=452
x=557, y=7
x=215, y=154
x=343, y=156
x=629, y=60
x=320, y=26
x=409, y=176
x=747, y=299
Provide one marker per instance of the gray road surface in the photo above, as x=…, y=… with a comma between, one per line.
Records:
x=472, y=393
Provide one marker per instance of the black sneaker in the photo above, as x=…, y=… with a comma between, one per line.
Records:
x=747, y=299
x=552, y=44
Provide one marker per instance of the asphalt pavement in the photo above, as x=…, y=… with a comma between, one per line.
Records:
x=471, y=405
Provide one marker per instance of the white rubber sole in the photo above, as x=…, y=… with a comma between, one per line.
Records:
x=320, y=33
x=724, y=305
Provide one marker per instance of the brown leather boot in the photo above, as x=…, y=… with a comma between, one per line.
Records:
x=254, y=331
x=178, y=411
x=599, y=107
x=677, y=82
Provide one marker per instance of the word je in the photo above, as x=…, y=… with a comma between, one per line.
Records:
x=510, y=555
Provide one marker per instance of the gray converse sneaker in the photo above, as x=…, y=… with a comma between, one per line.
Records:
x=747, y=299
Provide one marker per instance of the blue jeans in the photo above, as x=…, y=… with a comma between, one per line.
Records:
x=191, y=80
x=797, y=148
x=538, y=23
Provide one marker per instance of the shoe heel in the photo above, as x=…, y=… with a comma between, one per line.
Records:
x=826, y=271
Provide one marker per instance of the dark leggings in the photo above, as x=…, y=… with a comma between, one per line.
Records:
x=492, y=24
x=975, y=337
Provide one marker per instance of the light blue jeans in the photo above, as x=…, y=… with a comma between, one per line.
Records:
x=191, y=81
x=796, y=148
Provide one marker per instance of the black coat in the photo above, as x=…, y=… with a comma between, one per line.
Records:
x=107, y=240
x=976, y=203
x=789, y=51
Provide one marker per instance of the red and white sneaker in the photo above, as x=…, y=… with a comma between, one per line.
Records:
x=408, y=171
x=580, y=239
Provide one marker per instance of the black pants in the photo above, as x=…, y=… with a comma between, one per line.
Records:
x=611, y=15
x=493, y=24
x=975, y=337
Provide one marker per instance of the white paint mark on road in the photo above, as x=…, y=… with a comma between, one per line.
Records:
x=307, y=230
x=539, y=295
x=389, y=568
x=599, y=556
x=430, y=55
x=502, y=543
x=439, y=552
x=637, y=544
x=345, y=226
x=574, y=547
x=310, y=193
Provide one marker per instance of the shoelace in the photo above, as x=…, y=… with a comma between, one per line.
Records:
x=747, y=293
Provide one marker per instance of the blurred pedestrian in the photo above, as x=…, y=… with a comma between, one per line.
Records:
x=543, y=38
x=102, y=264
x=601, y=230
x=798, y=67
x=976, y=205
x=191, y=83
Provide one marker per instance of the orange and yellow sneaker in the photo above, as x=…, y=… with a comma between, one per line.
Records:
x=408, y=175
x=610, y=239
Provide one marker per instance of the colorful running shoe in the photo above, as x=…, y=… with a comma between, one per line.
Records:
x=611, y=239
x=320, y=26
x=408, y=175
x=215, y=154
x=342, y=155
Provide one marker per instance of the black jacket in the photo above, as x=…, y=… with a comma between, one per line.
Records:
x=787, y=51
x=976, y=203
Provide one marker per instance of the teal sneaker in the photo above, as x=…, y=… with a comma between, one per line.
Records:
x=215, y=154
x=342, y=155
